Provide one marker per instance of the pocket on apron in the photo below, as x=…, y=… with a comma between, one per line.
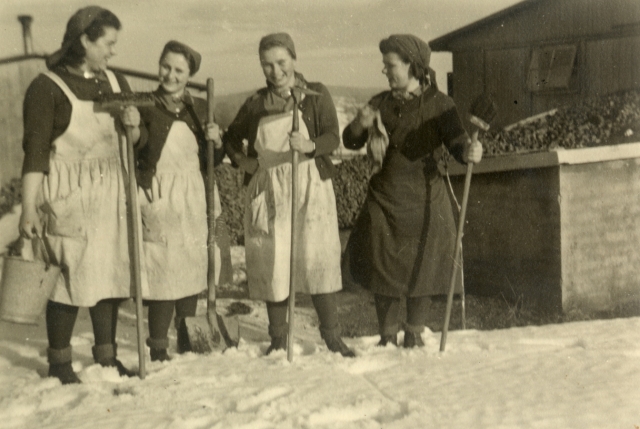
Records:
x=153, y=227
x=65, y=216
x=260, y=214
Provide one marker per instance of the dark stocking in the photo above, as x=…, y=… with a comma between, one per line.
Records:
x=61, y=319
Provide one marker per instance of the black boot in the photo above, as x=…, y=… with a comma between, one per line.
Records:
x=277, y=343
x=412, y=336
x=388, y=339
x=278, y=334
x=60, y=366
x=158, y=350
x=334, y=343
x=105, y=355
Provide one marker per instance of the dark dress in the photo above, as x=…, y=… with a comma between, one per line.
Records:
x=403, y=241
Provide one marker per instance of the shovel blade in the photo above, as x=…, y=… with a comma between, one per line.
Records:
x=212, y=333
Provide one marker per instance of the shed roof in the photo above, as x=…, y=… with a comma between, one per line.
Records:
x=442, y=43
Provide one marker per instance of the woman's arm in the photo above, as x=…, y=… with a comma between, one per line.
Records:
x=30, y=224
x=328, y=138
x=232, y=139
x=130, y=116
x=39, y=116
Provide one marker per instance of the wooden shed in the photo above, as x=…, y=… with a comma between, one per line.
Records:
x=541, y=54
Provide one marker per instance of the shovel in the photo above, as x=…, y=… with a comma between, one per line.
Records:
x=482, y=112
x=117, y=101
x=296, y=93
x=216, y=332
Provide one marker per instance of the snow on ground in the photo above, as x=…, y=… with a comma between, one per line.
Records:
x=575, y=375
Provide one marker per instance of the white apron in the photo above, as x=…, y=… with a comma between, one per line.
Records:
x=174, y=223
x=267, y=221
x=86, y=206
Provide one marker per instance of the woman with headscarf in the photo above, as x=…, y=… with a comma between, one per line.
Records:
x=170, y=168
x=73, y=179
x=403, y=241
x=265, y=122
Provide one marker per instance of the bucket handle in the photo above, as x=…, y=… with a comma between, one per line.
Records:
x=46, y=255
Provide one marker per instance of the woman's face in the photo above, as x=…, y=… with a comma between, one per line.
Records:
x=101, y=50
x=278, y=67
x=397, y=71
x=174, y=73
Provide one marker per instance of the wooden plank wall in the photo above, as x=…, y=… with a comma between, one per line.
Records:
x=613, y=64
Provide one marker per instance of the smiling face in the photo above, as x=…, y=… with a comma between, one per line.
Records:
x=174, y=73
x=278, y=67
x=99, y=52
x=397, y=72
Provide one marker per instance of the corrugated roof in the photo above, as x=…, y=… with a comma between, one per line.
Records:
x=442, y=43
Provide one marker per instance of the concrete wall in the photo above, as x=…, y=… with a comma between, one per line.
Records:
x=559, y=230
x=600, y=225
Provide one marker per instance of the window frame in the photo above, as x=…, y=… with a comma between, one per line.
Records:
x=546, y=75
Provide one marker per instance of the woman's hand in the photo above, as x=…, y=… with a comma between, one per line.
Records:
x=300, y=143
x=30, y=223
x=364, y=119
x=214, y=134
x=130, y=116
x=472, y=152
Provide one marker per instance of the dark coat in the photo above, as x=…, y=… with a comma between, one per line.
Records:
x=403, y=241
x=319, y=115
x=158, y=121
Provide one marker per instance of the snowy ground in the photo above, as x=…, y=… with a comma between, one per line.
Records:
x=574, y=375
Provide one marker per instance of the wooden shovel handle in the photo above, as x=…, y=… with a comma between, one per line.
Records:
x=294, y=222
x=211, y=186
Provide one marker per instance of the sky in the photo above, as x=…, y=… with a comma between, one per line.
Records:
x=336, y=40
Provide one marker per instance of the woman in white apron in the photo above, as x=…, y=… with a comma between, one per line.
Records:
x=265, y=121
x=73, y=178
x=172, y=198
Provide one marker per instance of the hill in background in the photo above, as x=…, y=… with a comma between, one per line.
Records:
x=345, y=98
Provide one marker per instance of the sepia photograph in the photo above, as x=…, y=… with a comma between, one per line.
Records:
x=367, y=214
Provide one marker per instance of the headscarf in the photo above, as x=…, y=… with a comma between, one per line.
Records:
x=410, y=46
x=193, y=57
x=278, y=39
x=77, y=25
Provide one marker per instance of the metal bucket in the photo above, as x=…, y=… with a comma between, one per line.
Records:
x=25, y=288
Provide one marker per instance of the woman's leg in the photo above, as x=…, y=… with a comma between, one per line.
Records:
x=417, y=308
x=104, y=318
x=185, y=307
x=278, y=326
x=60, y=320
x=160, y=314
x=327, y=309
x=387, y=310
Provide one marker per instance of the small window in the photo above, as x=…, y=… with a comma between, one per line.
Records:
x=552, y=67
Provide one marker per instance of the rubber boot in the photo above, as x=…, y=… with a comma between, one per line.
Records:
x=388, y=339
x=334, y=343
x=278, y=334
x=105, y=355
x=412, y=336
x=158, y=349
x=60, y=366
